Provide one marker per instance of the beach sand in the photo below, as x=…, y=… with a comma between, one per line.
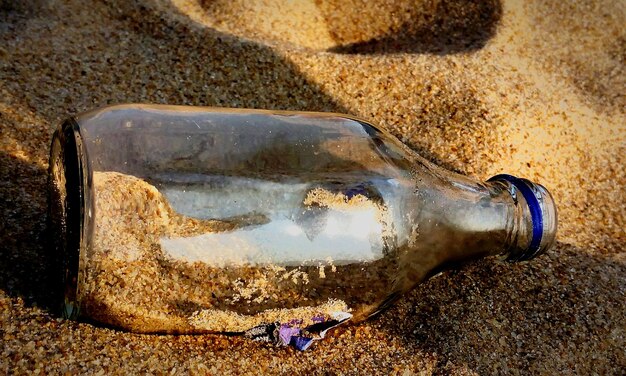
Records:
x=533, y=88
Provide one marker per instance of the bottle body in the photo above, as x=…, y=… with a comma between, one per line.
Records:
x=185, y=220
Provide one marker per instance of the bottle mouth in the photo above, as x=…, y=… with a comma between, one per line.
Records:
x=543, y=216
x=67, y=182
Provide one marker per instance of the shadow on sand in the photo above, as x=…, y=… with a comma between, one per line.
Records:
x=448, y=26
x=534, y=315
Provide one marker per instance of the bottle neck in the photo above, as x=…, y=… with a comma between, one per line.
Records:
x=457, y=219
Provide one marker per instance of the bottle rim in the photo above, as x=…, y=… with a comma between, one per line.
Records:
x=543, y=216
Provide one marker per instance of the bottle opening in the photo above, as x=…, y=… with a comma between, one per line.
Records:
x=542, y=215
x=67, y=181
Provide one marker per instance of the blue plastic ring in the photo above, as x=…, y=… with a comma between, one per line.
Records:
x=535, y=212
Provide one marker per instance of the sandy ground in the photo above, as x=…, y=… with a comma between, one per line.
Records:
x=536, y=89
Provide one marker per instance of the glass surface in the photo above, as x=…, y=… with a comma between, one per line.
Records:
x=213, y=220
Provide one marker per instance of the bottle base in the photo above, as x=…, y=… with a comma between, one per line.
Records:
x=67, y=179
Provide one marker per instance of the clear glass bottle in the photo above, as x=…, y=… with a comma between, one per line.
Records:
x=191, y=219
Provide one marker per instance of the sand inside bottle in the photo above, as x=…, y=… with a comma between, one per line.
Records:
x=129, y=278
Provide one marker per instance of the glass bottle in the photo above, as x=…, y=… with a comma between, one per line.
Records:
x=175, y=219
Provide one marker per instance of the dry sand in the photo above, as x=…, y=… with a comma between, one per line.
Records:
x=534, y=88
